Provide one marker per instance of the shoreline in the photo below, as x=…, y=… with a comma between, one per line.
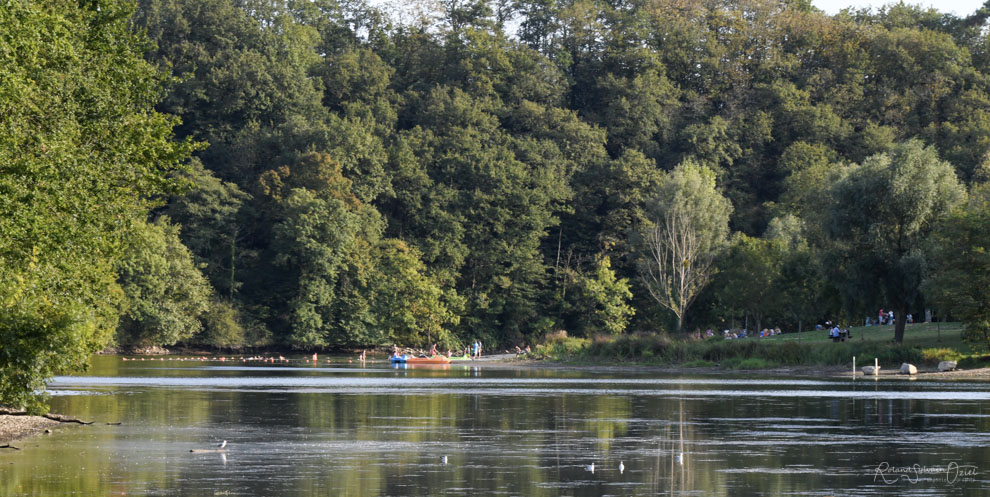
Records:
x=19, y=427
x=800, y=370
x=512, y=360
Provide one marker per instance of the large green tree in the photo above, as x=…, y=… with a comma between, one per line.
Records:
x=689, y=227
x=82, y=156
x=878, y=220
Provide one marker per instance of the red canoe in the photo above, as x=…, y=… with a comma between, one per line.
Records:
x=437, y=359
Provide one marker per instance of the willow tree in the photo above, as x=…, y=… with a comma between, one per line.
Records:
x=690, y=226
x=879, y=220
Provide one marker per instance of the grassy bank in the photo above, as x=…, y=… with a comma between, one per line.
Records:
x=924, y=344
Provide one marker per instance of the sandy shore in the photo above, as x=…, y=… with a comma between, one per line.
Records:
x=18, y=427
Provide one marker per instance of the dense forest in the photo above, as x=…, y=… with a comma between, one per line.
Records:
x=322, y=174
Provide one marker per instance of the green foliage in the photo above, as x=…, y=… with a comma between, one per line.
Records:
x=561, y=346
x=935, y=356
x=961, y=282
x=82, y=156
x=700, y=363
x=210, y=213
x=746, y=353
x=165, y=294
x=320, y=246
x=638, y=346
x=595, y=301
x=689, y=227
x=906, y=193
x=749, y=276
x=222, y=326
x=412, y=307
x=489, y=170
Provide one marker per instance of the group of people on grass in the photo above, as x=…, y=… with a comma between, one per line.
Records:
x=887, y=318
x=733, y=335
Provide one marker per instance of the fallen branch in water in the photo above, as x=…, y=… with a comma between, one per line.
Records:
x=61, y=418
x=66, y=419
x=8, y=446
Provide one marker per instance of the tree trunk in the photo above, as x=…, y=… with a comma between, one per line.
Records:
x=899, y=316
x=233, y=254
x=680, y=322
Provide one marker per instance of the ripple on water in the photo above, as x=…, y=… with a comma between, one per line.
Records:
x=787, y=470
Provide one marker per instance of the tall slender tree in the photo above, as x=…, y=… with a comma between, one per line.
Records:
x=690, y=226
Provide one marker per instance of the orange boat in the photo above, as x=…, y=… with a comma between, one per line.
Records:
x=405, y=359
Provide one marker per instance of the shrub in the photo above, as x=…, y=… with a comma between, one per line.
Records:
x=934, y=355
x=699, y=364
x=558, y=345
x=638, y=345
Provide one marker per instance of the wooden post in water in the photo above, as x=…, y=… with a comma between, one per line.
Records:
x=876, y=367
x=854, y=367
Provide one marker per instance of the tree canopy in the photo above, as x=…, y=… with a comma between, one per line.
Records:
x=509, y=148
x=83, y=156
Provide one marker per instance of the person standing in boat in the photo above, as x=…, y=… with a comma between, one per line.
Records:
x=433, y=350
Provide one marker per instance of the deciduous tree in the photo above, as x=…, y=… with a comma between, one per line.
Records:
x=878, y=220
x=690, y=225
x=83, y=155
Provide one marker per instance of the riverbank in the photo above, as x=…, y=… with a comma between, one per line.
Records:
x=887, y=371
x=19, y=427
x=925, y=346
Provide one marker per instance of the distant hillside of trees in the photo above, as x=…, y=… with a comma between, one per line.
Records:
x=497, y=170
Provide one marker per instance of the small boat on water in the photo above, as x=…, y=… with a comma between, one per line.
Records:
x=408, y=359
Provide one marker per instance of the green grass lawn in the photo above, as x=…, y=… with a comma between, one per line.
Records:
x=924, y=344
x=924, y=335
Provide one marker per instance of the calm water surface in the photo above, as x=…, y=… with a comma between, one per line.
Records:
x=342, y=429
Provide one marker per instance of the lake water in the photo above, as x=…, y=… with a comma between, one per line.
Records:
x=342, y=429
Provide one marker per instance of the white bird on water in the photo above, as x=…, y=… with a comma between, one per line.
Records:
x=443, y=460
x=222, y=444
x=590, y=467
x=622, y=467
x=680, y=458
